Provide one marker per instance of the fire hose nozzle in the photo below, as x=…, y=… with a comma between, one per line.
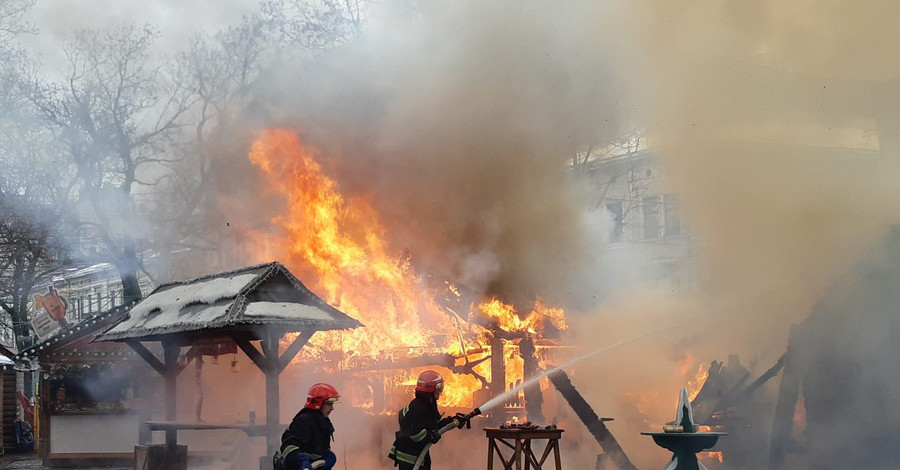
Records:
x=467, y=418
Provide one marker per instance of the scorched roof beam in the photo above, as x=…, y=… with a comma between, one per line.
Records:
x=159, y=366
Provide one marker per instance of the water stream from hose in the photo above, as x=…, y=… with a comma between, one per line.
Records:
x=533, y=380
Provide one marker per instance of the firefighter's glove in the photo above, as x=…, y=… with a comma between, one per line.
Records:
x=278, y=461
x=305, y=464
x=463, y=420
x=446, y=422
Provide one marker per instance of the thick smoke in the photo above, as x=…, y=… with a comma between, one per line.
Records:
x=777, y=124
x=459, y=117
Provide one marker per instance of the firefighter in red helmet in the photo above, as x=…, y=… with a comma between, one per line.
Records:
x=420, y=421
x=306, y=444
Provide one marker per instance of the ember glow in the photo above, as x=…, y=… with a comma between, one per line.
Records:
x=338, y=247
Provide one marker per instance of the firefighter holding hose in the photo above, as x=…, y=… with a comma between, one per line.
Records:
x=306, y=444
x=421, y=424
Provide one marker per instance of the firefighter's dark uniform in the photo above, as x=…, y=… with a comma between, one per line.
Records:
x=307, y=438
x=419, y=421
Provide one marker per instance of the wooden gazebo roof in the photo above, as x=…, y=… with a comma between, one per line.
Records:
x=246, y=300
x=261, y=302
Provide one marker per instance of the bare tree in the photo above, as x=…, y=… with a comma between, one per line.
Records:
x=315, y=25
x=28, y=255
x=223, y=71
x=12, y=23
x=34, y=190
x=116, y=112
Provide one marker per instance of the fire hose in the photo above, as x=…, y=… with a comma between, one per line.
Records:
x=467, y=418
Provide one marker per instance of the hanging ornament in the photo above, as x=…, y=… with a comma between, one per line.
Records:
x=235, y=366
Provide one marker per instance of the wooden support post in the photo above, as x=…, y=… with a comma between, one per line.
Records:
x=271, y=366
x=533, y=397
x=783, y=421
x=171, y=350
x=273, y=404
x=498, y=368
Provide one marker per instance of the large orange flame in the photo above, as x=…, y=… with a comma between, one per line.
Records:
x=337, y=246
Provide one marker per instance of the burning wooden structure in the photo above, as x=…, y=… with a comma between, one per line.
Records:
x=254, y=304
x=728, y=398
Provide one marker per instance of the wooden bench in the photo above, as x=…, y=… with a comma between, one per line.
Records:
x=252, y=430
x=171, y=456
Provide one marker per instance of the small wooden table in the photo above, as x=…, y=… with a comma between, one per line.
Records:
x=519, y=440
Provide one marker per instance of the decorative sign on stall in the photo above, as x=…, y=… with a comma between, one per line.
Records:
x=49, y=313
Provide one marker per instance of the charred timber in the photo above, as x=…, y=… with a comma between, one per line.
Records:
x=590, y=419
x=444, y=360
x=533, y=397
x=718, y=392
x=785, y=407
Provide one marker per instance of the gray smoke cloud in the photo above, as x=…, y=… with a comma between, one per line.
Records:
x=459, y=118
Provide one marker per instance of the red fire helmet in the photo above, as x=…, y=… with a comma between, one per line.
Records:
x=430, y=382
x=319, y=394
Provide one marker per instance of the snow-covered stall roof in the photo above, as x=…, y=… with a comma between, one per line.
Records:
x=240, y=300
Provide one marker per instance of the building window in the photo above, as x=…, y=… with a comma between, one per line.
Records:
x=650, y=208
x=614, y=210
x=112, y=299
x=90, y=303
x=672, y=216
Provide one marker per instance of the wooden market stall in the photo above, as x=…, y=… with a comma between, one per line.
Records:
x=89, y=406
x=254, y=307
x=9, y=402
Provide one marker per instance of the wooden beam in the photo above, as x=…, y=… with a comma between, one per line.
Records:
x=147, y=356
x=785, y=407
x=191, y=354
x=251, y=351
x=294, y=348
x=171, y=351
x=590, y=419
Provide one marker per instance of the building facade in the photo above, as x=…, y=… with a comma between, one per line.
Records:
x=648, y=238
